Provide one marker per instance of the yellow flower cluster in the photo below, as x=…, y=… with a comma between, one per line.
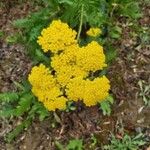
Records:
x=91, y=57
x=45, y=87
x=57, y=37
x=65, y=65
x=89, y=91
x=72, y=66
x=94, y=32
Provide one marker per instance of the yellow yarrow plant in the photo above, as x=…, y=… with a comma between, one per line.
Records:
x=72, y=66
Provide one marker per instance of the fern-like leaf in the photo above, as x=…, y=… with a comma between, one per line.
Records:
x=8, y=97
x=24, y=104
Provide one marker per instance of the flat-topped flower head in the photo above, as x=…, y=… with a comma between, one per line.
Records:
x=96, y=91
x=57, y=37
x=89, y=91
x=66, y=58
x=91, y=57
x=40, y=77
x=46, y=88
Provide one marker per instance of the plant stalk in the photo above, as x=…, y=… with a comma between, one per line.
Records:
x=57, y=118
x=80, y=25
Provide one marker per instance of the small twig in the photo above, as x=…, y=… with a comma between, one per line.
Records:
x=113, y=9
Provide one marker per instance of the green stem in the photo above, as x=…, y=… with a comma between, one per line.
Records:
x=80, y=25
x=57, y=118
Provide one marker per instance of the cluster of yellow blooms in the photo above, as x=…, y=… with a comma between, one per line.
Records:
x=69, y=78
x=46, y=88
x=94, y=32
x=57, y=37
x=89, y=91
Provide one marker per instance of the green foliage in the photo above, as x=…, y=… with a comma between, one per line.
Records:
x=110, y=53
x=24, y=104
x=75, y=144
x=131, y=10
x=2, y=5
x=144, y=35
x=126, y=143
x=94, y=141
x=115, y=32
x=106, y=105
x=127, y=8
x=31, y=27
x=70, y=106
x=96, y=12
x=93, y=11
x=33, y=24
x=12, y=39
x=9, y=96
x=1, y=33
x=21, y=104
x=146, y=2
x=83, y=14
x=144, y=92
x=13, y=134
